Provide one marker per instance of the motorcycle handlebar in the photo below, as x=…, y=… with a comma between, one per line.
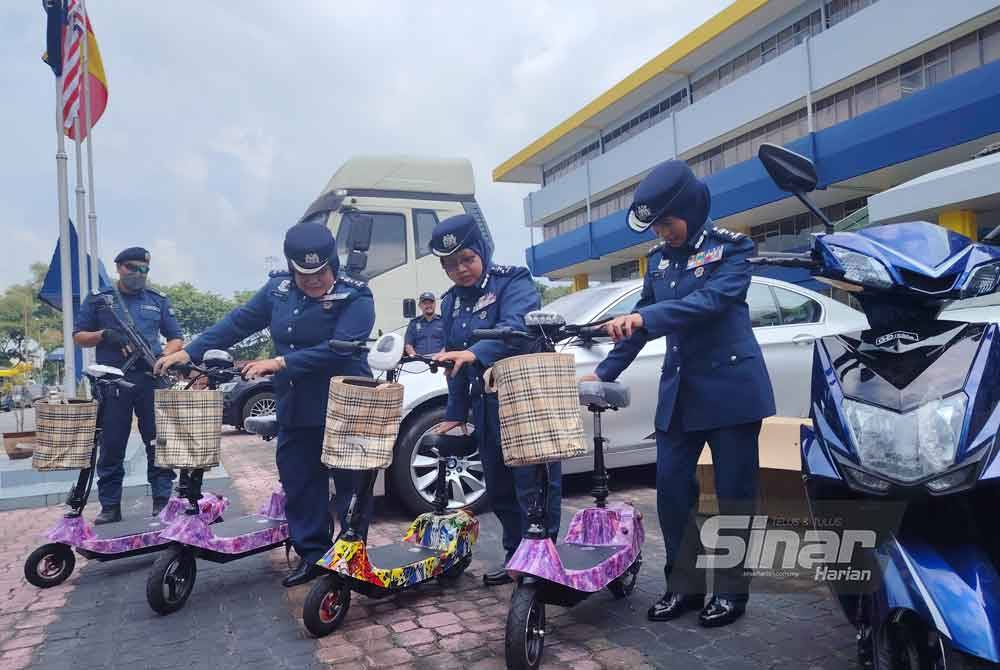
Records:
x=346, y=347
x=506, y=333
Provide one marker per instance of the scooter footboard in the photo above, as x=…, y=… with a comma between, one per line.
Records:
x=953, y=587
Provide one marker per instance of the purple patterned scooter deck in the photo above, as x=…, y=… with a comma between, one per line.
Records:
x=194, y=531
x=79, y=533
x=619, y=524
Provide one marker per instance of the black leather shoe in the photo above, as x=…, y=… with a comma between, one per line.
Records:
x=109, y=514
x=304, y=572
x=721, y=612
x=159, y=504
x=497, y=578
x=672, y=605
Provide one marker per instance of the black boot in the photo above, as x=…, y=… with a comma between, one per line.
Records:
x=497, y=577
x=674, y=603
x=721, y=611
x=304, y=572
x=109, y=514
x=159, y=504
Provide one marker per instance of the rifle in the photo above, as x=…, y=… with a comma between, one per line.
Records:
x=137, y=348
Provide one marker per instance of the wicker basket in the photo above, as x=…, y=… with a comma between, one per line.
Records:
x=188, y=428
x=65, y=439
x=539, y=408
x=362, y=421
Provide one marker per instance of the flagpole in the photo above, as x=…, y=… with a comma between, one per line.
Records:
x=65, y=258
x=95, y=250
x=81, y=223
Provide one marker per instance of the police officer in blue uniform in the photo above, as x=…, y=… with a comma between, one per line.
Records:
x=486, y=295
x=714, y=386
x=304, y=308
x=149, y=311
x=425, y=334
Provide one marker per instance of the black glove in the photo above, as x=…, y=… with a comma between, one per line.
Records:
x=114, y=338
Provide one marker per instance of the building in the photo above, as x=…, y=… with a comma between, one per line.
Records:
x=876, y=92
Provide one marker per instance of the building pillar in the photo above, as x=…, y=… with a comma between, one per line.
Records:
x=643, y=265
x=580, y=282
x=962, y=221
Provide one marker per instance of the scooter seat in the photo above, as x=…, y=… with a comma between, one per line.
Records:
x=265, y=426
x=449, y=445
x=604, y=395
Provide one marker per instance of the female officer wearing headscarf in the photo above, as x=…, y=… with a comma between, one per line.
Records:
x=304, y=308
x=714, y=386
x=487, y=296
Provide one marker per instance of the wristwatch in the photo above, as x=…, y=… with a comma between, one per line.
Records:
x=281, y=361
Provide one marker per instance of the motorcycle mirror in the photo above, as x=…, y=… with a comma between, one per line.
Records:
x=217, y=358
x=409, y=308
x=793, y=173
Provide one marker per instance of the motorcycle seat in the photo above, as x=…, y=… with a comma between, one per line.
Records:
x=604, y=395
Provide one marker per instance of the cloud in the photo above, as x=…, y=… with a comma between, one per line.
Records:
x=225, y=120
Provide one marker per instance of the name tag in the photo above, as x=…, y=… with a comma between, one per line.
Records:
x=151, y=308
x=705, y=257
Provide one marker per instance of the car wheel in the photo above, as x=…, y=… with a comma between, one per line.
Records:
x=259, y=404
x=414, y=470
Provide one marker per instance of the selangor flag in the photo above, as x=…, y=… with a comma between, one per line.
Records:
x=77, y=28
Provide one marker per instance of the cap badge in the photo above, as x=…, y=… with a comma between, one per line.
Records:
x=643, y=213
x=312, y=258
x=449, y=241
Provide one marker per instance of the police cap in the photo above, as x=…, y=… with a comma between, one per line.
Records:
x=455, y=233
x=132, y=254
x=671, y=189
x=426, y=295
x=310, y=247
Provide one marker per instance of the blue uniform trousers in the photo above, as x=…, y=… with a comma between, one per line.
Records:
x=511, y=490
x=306, y=482
x=735, y=465
x=116, y=427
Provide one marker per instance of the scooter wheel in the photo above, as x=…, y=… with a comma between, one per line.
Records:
x=171, y=580
x=525, y=638
x=326, y=605
x=623, y=586
x=49, y=565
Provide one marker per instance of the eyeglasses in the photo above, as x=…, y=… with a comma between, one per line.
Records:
x=453, y=262
x=137, y=267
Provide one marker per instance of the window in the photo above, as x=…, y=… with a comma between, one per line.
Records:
x=911, y=77
x=826, y=113
x=388, y=247
x=843, y=104
x=991, y=43
x=865, y=97
x=624, y=271
x=937, y=66
x=796, y=308
x=965, y=54
x=763, y=311
x=424, y=221
x=627, y=304
x=888, y=87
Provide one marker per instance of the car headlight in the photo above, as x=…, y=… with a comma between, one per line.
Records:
x=861, y=269
x=227, y=387
x=910, y=446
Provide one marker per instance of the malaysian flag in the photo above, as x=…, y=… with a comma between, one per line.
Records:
x=75, y=30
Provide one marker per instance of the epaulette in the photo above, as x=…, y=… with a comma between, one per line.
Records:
x=656, y=248
x=351, y=281
x=279, y=273
x=726, y=234
x=155, y=291
x=503, y=270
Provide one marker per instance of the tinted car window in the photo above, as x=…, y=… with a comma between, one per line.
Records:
x=763, y=310
x=388, y=247
x=796, y=308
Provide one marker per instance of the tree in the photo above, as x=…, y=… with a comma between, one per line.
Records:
x=198, y=310
x=549, y=293
x=27, y=323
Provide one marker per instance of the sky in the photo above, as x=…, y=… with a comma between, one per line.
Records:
x=226, y=119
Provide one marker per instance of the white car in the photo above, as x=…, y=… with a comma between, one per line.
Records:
x=787, y=319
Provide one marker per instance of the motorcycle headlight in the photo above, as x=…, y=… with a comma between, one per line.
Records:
x=861, y=269
x=910, y=446
x=227, y=387
x=983, y=280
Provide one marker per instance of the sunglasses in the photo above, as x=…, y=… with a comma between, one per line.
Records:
x=137, y=267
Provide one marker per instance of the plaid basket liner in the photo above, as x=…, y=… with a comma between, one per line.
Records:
x=539, y=408
x=188, y=428
x=65, y=435
x=362, y=421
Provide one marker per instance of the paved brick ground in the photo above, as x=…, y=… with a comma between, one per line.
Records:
x=239, y=616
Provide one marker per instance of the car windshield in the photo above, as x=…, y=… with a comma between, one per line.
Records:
x=580, y=307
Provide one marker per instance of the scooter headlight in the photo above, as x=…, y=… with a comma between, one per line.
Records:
x=861, y=269
x=907, y=447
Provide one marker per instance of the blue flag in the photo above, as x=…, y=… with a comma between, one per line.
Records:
x=55, y=11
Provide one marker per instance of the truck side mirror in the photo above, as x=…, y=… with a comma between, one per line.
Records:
x=409, y=308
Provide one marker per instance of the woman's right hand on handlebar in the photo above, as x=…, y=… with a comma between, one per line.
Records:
x=166, y=362
x=448, y=426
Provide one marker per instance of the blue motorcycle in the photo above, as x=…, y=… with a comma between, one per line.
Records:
x=905, y=415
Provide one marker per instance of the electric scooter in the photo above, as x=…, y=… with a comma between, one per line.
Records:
x=172, y=577
x=52, y=563
x=603, y=546
x=438, y=544
x=905, y=417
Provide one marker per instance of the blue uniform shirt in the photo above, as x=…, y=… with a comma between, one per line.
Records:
x=300, y=329
x=501, y=299
x=695, y=295
x=426, y=337
x=150, y=311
